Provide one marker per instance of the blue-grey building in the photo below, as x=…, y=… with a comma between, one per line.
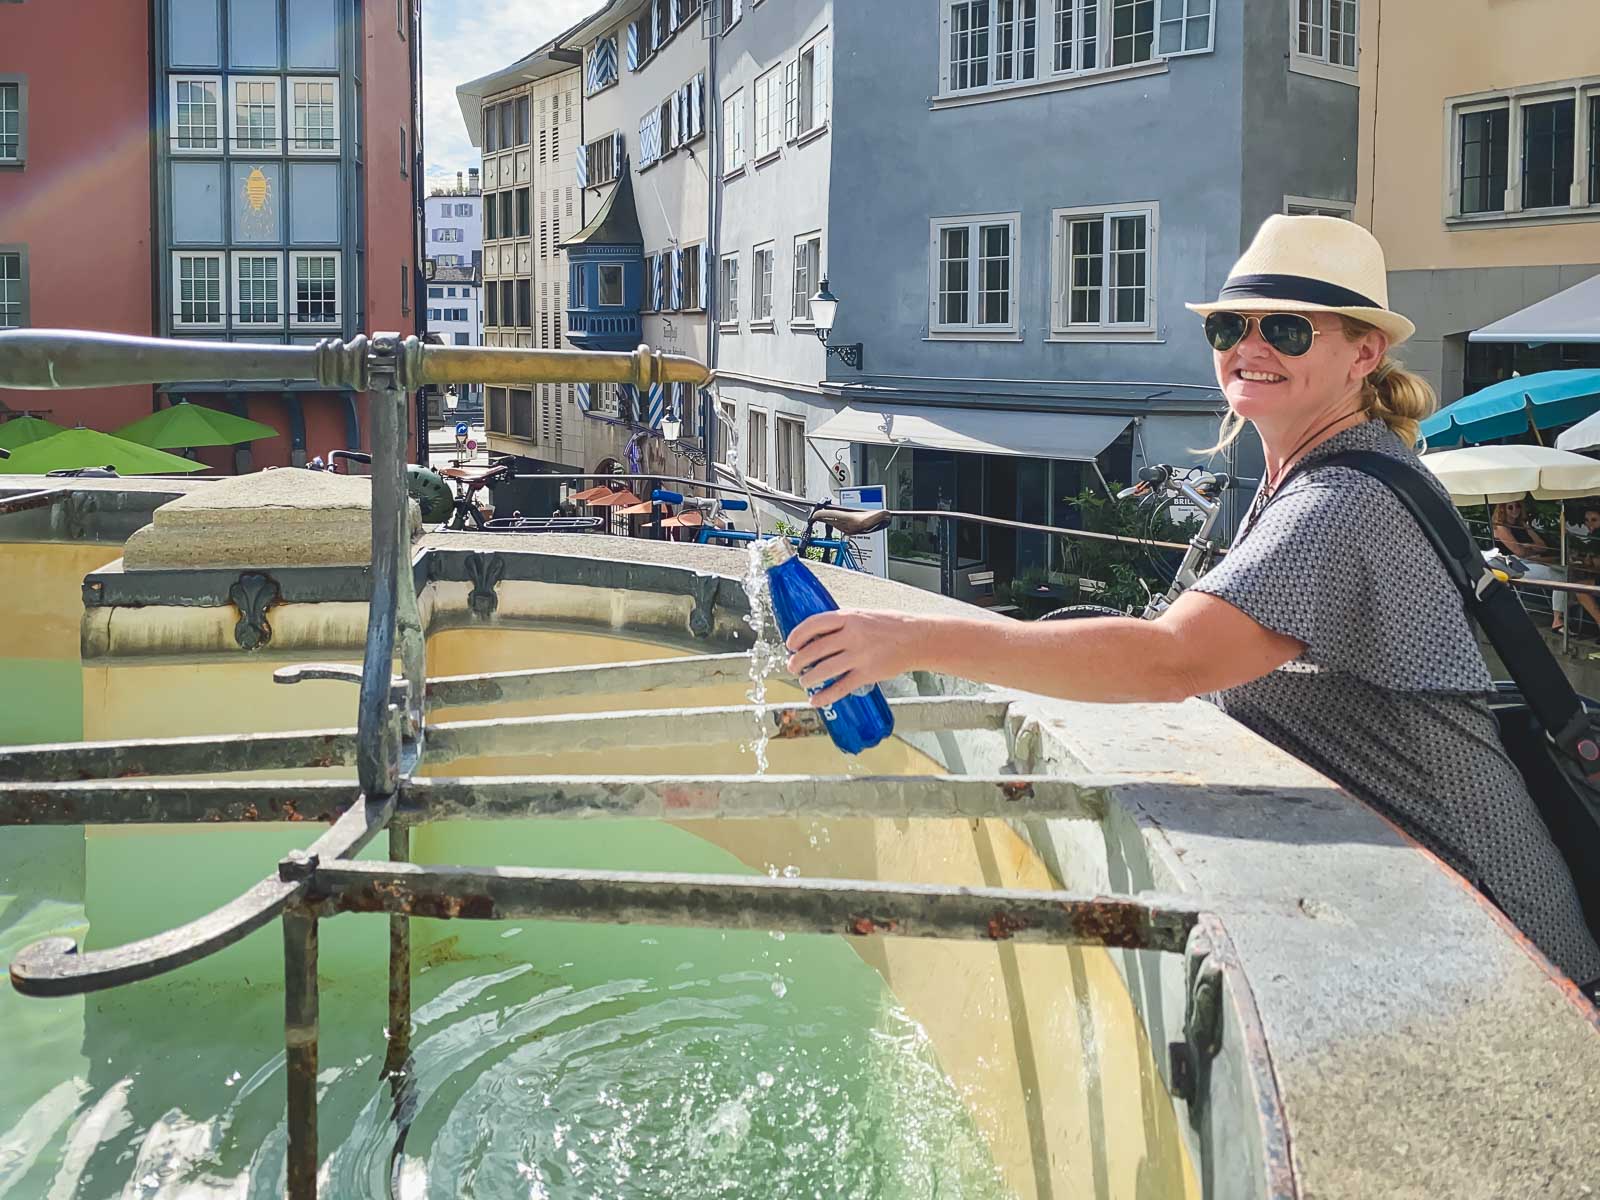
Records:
x=1011, y=199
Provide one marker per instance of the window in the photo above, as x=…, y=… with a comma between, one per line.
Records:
x=496, y=413
x=730, y=13
x=508, y=127
x=974, y=274
x=197, y=291
x=525, y=303
x=491, y=128
x=1325, y=32
x=1484, y=138
x=522, y=120
x=258, y=289
x=647, y=296
x=761, y=277
x=661, y=23
x=521, y=413
x=463, y=210
x=1184, y=27
x=812, y=72
x=1103, y=266
x=693, y=295
x=611, y=284
x=1305, y=206
x=314, y=116
x=1077, y=39
x=491, y=218
x=1547, y=153
x=315, y=280
x=807, y=271
x=507, y=223
x=1132, y=31
x=255, y=115
x=13, y=289
x=602, y=65
x=461, y=339
x=769, y=112
x=755, y=445
x=491, y=303
x=524, y=225
x=728, y=290
x=196, y=115
x=667, y=126
x=1594, y=149
x=601, y=156
x=405, y=289
x=405, y=153
x=447, y=235
x=969, y=44
x=791, y=448
x=733, y=133
x=435, y=293
x=435, y=314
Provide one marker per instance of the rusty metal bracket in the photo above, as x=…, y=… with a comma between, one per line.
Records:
x=1190, y=1059
x=253, y=594
x=486, y=571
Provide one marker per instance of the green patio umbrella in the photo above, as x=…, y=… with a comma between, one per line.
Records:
x=183, y=425
x=22, y=431
x=74, y=448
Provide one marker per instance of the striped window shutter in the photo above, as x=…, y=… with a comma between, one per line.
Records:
x=655, y=25
x=582, y=166
x=675, y=8
x=705, y=272
x=677, y=277
x=616, y=154
x=658, y=292
x=791, y=100
x=657, y=405
x=583, y=396
x=633, y=45
x=819, y=85
x=699, y=104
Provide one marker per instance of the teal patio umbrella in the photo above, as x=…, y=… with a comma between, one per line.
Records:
x=72, y=449
x=182, y=425
x=1510, y=407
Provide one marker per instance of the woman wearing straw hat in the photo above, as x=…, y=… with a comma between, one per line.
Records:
x=1331, y=628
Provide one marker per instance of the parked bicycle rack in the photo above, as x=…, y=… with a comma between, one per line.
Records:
x=393, y=738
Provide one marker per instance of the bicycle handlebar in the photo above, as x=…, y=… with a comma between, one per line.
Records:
x=663, y=496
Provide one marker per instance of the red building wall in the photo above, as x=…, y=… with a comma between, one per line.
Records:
x=81, y=203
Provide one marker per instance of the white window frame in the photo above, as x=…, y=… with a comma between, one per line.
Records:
x=1312, y=206
x=759, y=320
x=733, y=149
x=812, y=119
x=173, y=81
x=234, y=83
x=754, y=469
x=1583, y=205
x=972, y=329
x=692, y=256
x=1319, y=64
x=728, y=292
x=726, y=417
x=235, y=312
x=801, y=318
x=291, y=300
x=769, y=114
x=1062, y=328
x=797, y=471
x=1190, y=16
x=600, y=285
x=215, y=256
x=302, y=151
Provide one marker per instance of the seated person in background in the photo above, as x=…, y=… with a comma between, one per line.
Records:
x=1514, y=535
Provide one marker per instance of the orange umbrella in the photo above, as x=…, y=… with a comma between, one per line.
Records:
x=590, y=494
x=636, y=510
x=684, y=520
x=612, y=499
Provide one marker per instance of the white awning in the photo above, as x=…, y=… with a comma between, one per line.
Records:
x=1569, y=316
x=1072, y=437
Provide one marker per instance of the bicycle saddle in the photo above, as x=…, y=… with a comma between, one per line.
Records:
x=852, y=522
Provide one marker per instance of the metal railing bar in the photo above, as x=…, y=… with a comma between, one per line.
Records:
x=837, y=906
x=564, y=733
x=759, y=797
x=593, y=679
x=55, y=967
x=293, y=750
x=115, y=802
x=24, y=501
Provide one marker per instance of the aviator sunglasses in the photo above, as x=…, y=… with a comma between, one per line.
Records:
x=1290, y=334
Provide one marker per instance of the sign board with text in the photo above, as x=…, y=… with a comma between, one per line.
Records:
x=870, y=550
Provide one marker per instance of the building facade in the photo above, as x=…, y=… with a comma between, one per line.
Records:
x=270, y=116
x=453, y=235
x=1480, y=174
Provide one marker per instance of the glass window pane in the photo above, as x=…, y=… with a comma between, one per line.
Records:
x=1484, y=138
x=1547, y=154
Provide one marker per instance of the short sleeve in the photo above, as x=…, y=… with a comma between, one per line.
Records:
x=1338, y=564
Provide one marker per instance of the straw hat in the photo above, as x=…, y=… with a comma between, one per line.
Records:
x=1312, y=264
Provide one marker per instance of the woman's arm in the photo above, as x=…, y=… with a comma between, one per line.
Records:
x=1201, y=644
x=1530, y=549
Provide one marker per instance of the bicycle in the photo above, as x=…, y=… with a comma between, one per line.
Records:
x=1158, y=486
x=847, y=521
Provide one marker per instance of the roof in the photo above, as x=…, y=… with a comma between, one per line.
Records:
x=617, y=222
x=549, y=59
x=453, y=274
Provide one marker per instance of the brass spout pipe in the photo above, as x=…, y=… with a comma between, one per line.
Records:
x=508, y=367
x=46, y=359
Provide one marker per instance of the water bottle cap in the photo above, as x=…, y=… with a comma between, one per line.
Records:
x=774, y=551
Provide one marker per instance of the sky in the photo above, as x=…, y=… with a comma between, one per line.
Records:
x=463, y=39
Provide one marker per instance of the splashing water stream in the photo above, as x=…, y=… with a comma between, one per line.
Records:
x=765, y=654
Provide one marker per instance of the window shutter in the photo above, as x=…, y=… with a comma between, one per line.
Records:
x=700, y=104
x=705, y=270
x=582, y=166
x=791, y=100
x=763, y=140
x=677, y=278
x=819, y=85
x=655, y=25
x=633, y=45
x=658, y=266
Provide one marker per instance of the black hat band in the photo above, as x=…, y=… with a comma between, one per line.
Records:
x=1294, y=287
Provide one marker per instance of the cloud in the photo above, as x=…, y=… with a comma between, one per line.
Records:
x=463, y=39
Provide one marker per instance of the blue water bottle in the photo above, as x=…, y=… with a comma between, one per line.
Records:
x=860, y=720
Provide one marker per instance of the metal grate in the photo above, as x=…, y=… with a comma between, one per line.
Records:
x=393, y=739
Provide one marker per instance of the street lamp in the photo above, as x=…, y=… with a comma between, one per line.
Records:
x=824, y=307
x=671, y=427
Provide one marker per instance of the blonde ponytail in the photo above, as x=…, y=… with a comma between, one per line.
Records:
x=1397, y=397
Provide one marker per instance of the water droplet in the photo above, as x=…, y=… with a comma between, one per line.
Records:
x=512, y=932
x=791, y=872
x=232, y=1079
x=777, y=935
x=779, y=988
x=765, y=1079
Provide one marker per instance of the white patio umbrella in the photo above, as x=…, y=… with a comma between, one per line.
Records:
x=1499, y=474
x=1585, y=435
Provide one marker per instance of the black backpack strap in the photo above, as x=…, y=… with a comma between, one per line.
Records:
x=1490, y=601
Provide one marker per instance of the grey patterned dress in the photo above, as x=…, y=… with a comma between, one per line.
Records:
x=1388, y=698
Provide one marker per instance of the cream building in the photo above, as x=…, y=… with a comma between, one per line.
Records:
x=1480, y=173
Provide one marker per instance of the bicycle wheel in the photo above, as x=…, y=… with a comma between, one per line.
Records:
x=1076, y=612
